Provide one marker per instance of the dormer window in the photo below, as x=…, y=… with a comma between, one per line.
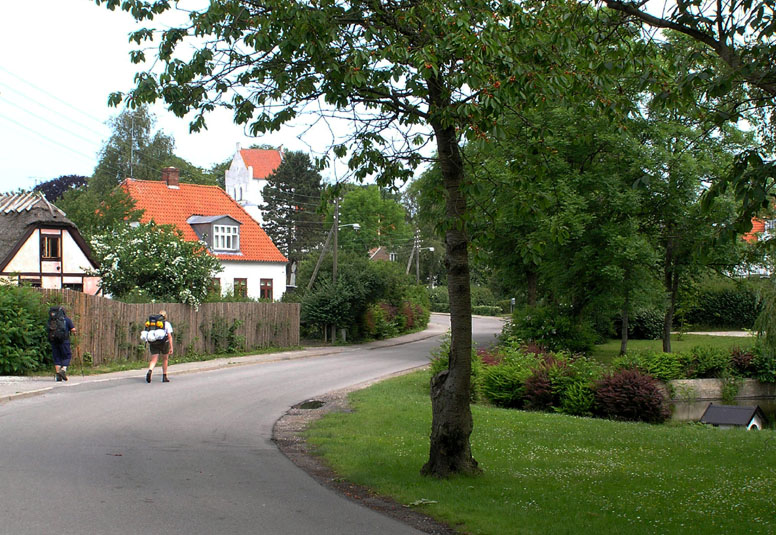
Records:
x=221, y=233
x=226, y=237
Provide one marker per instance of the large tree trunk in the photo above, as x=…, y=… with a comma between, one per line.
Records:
x=451, y=426
x=624, y=319
x=671, y=281
x=532, y=281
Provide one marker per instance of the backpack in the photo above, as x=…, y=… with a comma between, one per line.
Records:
x=154, y=329
x=57, y=326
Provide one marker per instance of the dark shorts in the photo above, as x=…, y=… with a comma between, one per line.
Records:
x=160, y=348
x=61, y=353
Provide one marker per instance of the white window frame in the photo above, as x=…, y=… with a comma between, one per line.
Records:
x=226, y=237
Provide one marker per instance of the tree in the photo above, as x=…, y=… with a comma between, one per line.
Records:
x=153, y=262
x=381, y=219
x=740, y=34
x=408, y=72
x=98, y=213
x=292, y=199
x=55, y=188
x=134, y=150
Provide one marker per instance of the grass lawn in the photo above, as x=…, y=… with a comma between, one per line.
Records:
x=679, y=342
x=556, y=474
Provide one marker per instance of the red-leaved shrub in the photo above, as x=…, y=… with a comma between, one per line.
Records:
x=631, y=395
x=743, y=361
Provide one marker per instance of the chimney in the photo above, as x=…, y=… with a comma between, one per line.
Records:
x=171, y=175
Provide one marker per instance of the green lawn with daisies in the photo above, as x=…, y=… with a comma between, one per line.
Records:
x=555, y=474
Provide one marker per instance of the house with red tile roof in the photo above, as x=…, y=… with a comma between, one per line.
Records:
x=247, y=175
x=251, y=263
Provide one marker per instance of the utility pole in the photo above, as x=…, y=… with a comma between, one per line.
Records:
x=334, y=261
x=414, y=249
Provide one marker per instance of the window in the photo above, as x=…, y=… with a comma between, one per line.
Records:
x=73, y=286
x=50, y=247
x=392, y=257
x=241, y=287
x=266, y=289
x=226, y=238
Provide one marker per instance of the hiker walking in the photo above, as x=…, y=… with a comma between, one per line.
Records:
x=60, y=327
x=160, y=343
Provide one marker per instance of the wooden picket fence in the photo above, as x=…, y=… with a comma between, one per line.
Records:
x=109, y=331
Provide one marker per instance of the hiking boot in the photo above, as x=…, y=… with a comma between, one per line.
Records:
x=59, y=377
x=148, y=376
x=165, y=379
x=63, y=375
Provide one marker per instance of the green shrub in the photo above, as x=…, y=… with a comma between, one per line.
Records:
x=578, y=397
x=486, y=310
x=440, y=359
x=632, y=396
x=503, y=384
x=764, y=365
x=706, y=362
x=23, y=343
x=439, y=299
x=646, y=324
x=724, y=304
x=552, y=328
x=662, y=366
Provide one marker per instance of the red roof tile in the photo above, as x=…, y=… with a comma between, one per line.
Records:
x=263, y=161
x=170, y=206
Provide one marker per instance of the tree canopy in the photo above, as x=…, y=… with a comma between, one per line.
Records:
x=148, y=261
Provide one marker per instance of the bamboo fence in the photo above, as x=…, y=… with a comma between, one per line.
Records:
x=109, y=331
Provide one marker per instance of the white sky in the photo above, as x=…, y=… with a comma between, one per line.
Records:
x=60, y=61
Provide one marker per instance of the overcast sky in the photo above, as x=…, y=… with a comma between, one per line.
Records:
x=60, y=61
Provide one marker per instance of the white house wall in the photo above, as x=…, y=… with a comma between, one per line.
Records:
x=73, y=264
x=254, y=272
x=243, y=188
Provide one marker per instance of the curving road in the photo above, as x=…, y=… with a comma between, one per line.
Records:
x=193, y=456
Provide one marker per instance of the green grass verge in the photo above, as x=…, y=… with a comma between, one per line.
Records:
x=555, y=474
x=679, y=342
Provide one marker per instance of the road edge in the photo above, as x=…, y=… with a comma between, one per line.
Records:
x=287, y=434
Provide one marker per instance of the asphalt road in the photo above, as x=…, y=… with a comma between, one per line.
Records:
x=193, y=456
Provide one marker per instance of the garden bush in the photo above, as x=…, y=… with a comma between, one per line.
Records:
x=503, y=384
x=552, y=328
x=439, y=299
x=632, y=396
x=23, y=343
x=723, y=304
x=440, y=360
x=662, y=366
x=644, y=324
x=708, y=362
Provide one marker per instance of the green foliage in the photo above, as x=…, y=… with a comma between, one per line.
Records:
x=662, y=366
x=154, y=261
x=646, y=324
x=440, y=360
x=708, y=362
x=224, y=336
x=439, y=298
x=292, y=199
x=503, y=384
x=724, y=304
x=552, y=328
x=23, y=343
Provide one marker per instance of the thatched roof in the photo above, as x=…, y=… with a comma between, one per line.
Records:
x=22, y=212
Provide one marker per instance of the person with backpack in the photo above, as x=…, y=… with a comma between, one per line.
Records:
x=160, y=345
x=60, y=327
